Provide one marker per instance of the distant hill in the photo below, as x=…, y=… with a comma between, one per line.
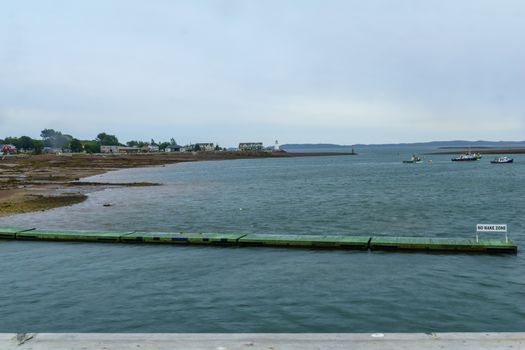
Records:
x=435, y=144
x=453, y=144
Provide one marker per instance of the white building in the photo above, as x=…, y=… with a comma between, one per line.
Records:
x=109, y=149
x=119, y=149
x=123, y=149
x=150, y=148
x=250, y=146
x=205, y=146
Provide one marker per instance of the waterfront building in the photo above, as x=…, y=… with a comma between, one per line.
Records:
x=150, y=148
x=51, y=150
x=204, y=146
x=250, y=146
x=118, y=149
x=174, y=148
x=109, y=149
x=8, y=149
x=123, y=149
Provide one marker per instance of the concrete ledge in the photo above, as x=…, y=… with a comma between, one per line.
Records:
x=306, y=341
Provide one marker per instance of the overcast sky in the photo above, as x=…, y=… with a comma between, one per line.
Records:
x=296, y=71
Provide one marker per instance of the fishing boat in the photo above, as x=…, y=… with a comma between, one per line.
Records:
x=467, y=157
x=413, y=159
x=502, y=160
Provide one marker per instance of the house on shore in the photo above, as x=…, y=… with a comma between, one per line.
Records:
x=204, y=147
x=250, y=146
x=128, y=150
x=174, y=148
x=109, y=149
x=8, y=149
x=150, y=148
x=51, y=150
x=118, y=149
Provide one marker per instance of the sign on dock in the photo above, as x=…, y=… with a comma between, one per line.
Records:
x=492, y=228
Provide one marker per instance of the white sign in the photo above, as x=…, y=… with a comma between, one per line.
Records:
x=491, y=228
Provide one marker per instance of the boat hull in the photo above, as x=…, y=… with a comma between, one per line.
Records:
x=464, y=159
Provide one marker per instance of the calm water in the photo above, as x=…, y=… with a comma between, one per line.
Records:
x=70, y=287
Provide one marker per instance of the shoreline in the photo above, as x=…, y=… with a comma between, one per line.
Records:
x=461, y=150
x=42, y=182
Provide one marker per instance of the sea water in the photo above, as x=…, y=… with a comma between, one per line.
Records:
x=82, y=287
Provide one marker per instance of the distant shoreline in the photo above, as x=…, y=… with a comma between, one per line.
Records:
x=435, y=144
x=461, y=150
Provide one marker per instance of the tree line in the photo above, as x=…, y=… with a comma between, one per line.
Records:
x=56, y=140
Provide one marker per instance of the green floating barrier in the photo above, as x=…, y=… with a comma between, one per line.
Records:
x=154, y=237
x=300, y=241
x=10, y=232
x=305, y=241
x=182, y=238
x=83, y=236
x=215, y=238
x=443, y=244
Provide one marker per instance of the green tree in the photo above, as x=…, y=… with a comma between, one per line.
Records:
x=10, y=140
x=92, y=146
x=107, y=140
x=54, y=138
x=38, y=145
x=134, y=143
x=49, y=136
x=163, y=145
x=76, y=146
x=48, y=133
x=25, y=142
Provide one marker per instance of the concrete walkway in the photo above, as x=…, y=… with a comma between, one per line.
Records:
x=309, y=341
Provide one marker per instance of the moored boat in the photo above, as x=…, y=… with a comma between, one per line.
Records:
x=467, y=157
x=502, y=160
x=413, y=159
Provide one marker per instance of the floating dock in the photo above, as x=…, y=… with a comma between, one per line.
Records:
x=381, y=243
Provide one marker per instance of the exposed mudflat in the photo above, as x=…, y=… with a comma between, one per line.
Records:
x=39, y=182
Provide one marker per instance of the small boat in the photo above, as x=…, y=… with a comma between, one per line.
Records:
x=467, y=157
x=413, y=159
x=502, y=160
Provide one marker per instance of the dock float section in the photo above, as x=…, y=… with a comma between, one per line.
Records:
x=380, y=243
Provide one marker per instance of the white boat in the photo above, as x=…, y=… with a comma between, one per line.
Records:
x=413, y=159
x=467, y=157
x=502, y=160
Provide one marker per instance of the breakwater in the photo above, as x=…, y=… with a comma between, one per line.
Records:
x=365, y=242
